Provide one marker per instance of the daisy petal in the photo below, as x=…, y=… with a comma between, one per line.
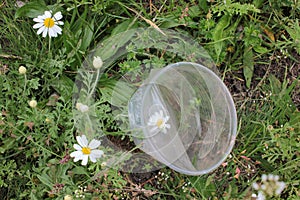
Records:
x=97, y=153
x=41, y=30
x=51, y=32
x=45, y=32
x=47, y=14
x=60, y=23
x=38, y=25
x=38, y=20
x=84, y=159
x=57, y=29
x=76, y=154
x=77, y=147
x=57, y=16
x=93, y=159
x=94, y=144
x=82, y=141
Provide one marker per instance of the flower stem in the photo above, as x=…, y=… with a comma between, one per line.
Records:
x=49, y=47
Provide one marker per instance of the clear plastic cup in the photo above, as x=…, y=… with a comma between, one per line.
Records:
x=198, y=113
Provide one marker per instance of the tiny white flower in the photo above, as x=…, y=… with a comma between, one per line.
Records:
x=81, y=107
x=280, y=187
x=159, y=122
x=255, y=186
x=48, y=24
x=86, y=150
x=254, y=195
x=97, y=62
x=264, y=178
x=32, y=103
x=260, y=196
x=271, y=177
x=22, y=70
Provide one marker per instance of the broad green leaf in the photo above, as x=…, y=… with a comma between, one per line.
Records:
x=31, y=9
x=170, y=23
x=218, y=34
x=80, y=170
x=45, y=179
x=121, y=94
x=260, y=49
x=87, y=36
x=124, y=26
x=248, y=65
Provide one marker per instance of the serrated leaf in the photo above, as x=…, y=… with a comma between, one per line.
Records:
x=31, y=9
x=248, y=64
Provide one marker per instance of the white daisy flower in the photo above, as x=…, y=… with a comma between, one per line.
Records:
x=159, y=122
x=49, y=24
x=86, y=150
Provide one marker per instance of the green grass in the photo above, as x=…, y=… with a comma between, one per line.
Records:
x=255, y=45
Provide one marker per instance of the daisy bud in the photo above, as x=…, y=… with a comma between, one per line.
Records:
x=81, y=107
x=22, y=70
x=97, y=62
x=32, y=103
x=68, y=197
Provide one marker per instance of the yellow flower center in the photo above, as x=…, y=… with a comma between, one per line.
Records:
x=86, y=150
x=49, y=22
x=159, y=122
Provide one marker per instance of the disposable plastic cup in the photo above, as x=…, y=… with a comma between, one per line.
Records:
x=198, y=110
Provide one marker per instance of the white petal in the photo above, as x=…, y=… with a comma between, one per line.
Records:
x=51, y=32
x=161, y=113
x=82, y=141
x=60, y=23
x=167, y=126
x=41, y=30
x=154, y=129
x=47, y=14
x=96, y=153
x=94, y=144
x=77, y=154
x=57, y=16
x=57, y=29
x=45, y=32
x=77, y=147
x=93, y=159
x=84, y=159
x=167, y=118
x=38, y=20
x=38, y=25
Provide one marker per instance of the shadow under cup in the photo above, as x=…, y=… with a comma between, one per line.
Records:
x=201, y=115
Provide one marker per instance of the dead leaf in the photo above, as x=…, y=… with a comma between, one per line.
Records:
x=269, y=33
x=29, y=125
x=53, y=99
